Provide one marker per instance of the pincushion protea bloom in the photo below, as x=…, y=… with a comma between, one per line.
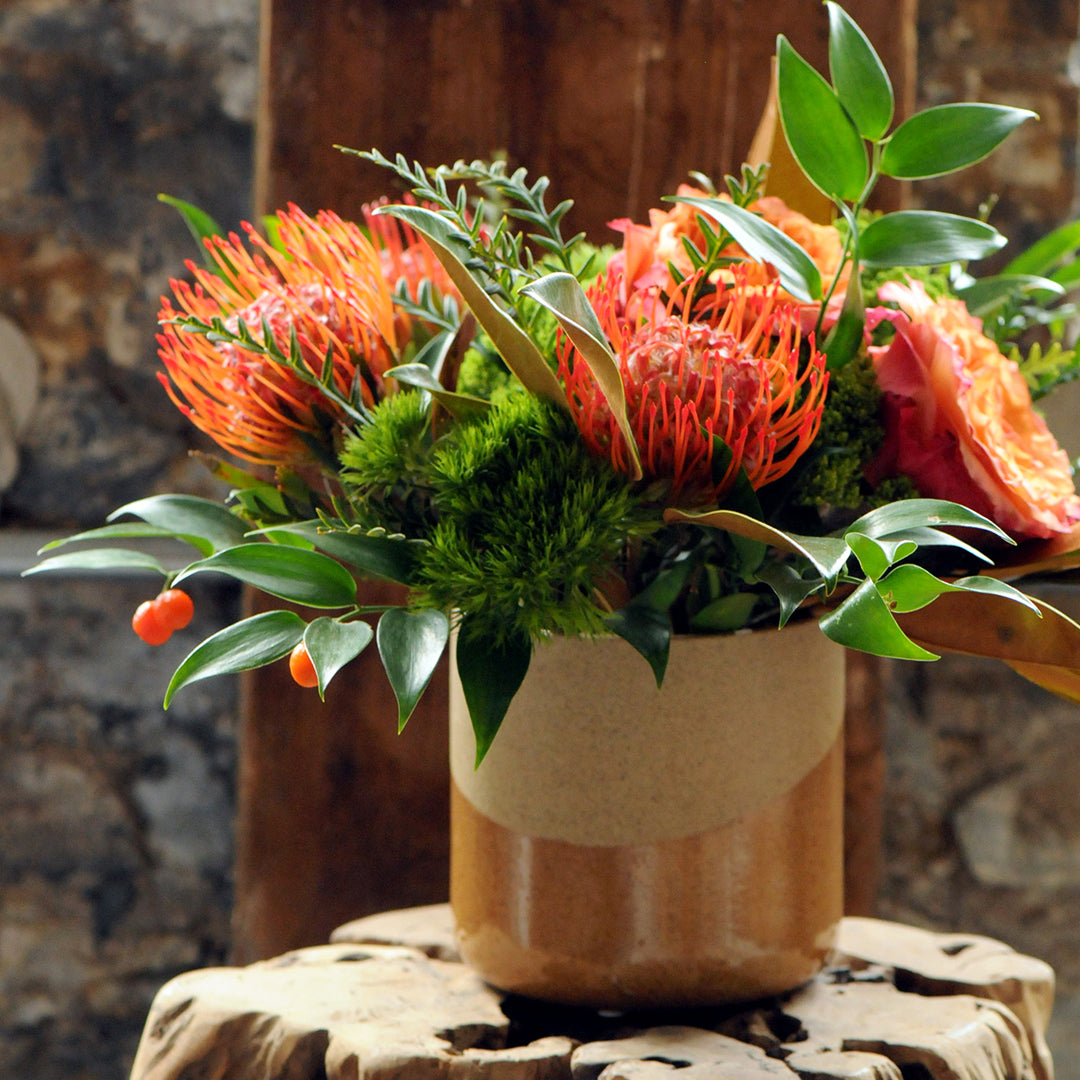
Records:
x=729, y=367
x=326, y=292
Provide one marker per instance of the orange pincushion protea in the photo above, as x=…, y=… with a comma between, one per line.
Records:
x=730, y=368
x=328, y=289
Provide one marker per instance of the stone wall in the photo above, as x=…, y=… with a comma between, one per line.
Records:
x=114, y=816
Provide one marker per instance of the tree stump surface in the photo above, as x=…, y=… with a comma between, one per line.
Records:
x=389, y=1000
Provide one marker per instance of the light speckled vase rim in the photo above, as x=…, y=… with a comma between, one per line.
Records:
x=655, y=765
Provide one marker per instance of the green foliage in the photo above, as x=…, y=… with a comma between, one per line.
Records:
x=385, y=465
x=1043, y=371
x=851, y=434
x=528, y=524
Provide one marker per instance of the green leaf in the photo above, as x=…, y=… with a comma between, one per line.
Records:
x=648, y=630
x=926, y=238
x=764, y=242
x=410, y=645
x=725, y=614
x=188, y=515
x=664, y=589
x=819, y=131
x=864, y=622
x=392, y=558
x=519, y=351
x=945, y=138
x=922, y=513
x=332, y=644
x=200, y=224
x=859, y=76
x=846, y=337
x=876, y=556
x=460, y=406
x=248, y=644
x=99, y=559
x=130, y=530
x=910, y=587
x=490, y=677
x=937, y=538
x=988, y=586
x=986, y=294
x=827, y=554
x=291, y=573
x=1044, y=255
x=790, y=587
x=563, y=296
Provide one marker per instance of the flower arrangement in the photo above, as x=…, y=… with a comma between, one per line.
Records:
x=734, y=417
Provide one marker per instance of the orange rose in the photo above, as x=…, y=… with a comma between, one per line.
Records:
x=647, y=249
x=960, y=423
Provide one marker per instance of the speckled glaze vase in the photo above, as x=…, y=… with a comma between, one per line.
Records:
x=623, y=847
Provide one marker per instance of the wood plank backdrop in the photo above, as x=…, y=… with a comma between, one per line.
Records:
x=615, y=100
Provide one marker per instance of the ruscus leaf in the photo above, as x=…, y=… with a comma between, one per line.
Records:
x=945, y=138
x=859, y=76
x=248, y=644
x=188, y=515
x=821, y=134
x=926, y=238
x=331, y=644
x=411, y=644
x=291, y=573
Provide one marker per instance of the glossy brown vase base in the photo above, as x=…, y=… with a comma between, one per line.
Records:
x=734, y=913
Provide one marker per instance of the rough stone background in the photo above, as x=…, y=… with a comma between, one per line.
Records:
x=114, y=816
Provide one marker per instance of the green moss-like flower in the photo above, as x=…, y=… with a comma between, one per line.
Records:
x=528, y=524
x=386, y=465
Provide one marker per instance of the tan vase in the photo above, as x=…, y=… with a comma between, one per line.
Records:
x=621, y=847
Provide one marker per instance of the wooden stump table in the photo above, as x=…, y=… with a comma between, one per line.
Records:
x=389, y=999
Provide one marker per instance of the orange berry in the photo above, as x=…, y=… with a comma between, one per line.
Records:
x=301, y=668
x=177, y=610
x=149, y=624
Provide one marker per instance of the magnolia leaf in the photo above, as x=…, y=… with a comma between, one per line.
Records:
x=188, y=515
x=519, y=351
x=294, y=574
x=201, y=226
x=1064, y=682
x=937, y=538
x=648, y=631
x=822, y=137
x=859, y=76
x=827, y=554
x=981, y=624
x=876, y=556
x=764, y=242
x=99, y=559
x=864, y=622
x=906, y=514
x=563, y=296
x=791, y=588
x=332, y=644
x=392, y=558
x=945, y=138
x=490, y=676
x=926, y=238
x=411, y=644
x=248, y=644
x=725, y=613
x=1044, y=255
x=420, y=376
x=131, y=530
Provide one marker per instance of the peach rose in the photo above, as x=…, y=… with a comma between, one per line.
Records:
x=960, y=423
x=647, y=249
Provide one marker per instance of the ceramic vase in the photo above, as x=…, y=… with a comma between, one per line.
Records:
x=623, y=847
